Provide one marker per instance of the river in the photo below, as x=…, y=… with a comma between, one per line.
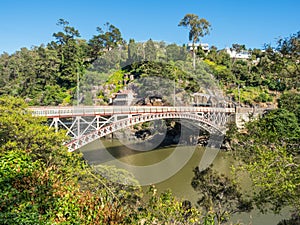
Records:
x=176, y=177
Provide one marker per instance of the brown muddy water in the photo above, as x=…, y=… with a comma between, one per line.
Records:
x=169, y=167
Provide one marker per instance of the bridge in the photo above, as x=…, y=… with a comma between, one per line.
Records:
x=86, y=124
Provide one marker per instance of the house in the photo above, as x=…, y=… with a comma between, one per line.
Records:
x=124, y=97
x=238, y=55
x=200, y=99
x=204, y=46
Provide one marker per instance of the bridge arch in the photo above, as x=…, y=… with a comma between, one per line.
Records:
x=214, y=123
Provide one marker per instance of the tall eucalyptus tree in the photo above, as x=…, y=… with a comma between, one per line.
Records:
x=197, y=28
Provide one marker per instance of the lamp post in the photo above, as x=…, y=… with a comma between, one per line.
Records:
x=77, y=89
x=77, y=93
x=174, y=100
x=239, y=95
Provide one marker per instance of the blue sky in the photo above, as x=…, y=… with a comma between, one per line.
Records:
x=25, y=23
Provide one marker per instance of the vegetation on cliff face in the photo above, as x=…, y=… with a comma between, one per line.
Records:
x=268, y=72
x=47, y=75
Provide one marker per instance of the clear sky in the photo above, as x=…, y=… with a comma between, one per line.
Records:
x=25, y=23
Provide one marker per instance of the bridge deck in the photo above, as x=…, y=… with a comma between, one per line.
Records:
x=53, y=112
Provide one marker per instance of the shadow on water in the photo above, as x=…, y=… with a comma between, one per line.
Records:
x=102, y=151
x=107, y=150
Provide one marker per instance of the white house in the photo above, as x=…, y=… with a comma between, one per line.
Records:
x=204, y=46
x=238, y=55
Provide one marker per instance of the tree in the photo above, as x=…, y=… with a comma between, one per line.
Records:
x=105, y=40
x=68, y=34
x=268, y=148
x=132, y=53
x=150, y=51
x=291, y=102
x=42, y=183
x=289, y=48
x=175, y=52
x=70, y=53
x=238, y=47
x=275, y=175
x=163, y=208
x=280, y=65
x=197, y=28
x=219, y=196
x=4, y=71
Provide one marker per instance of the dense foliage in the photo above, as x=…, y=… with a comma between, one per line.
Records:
x=40, y=180
x=269, y=149
x=48, y=75
x=219, y=196
x=41, y=183
x=268, y=72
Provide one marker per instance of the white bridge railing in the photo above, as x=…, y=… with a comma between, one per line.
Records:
x=52, y=112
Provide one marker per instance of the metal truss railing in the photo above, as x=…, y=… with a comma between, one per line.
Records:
x=213, y=122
